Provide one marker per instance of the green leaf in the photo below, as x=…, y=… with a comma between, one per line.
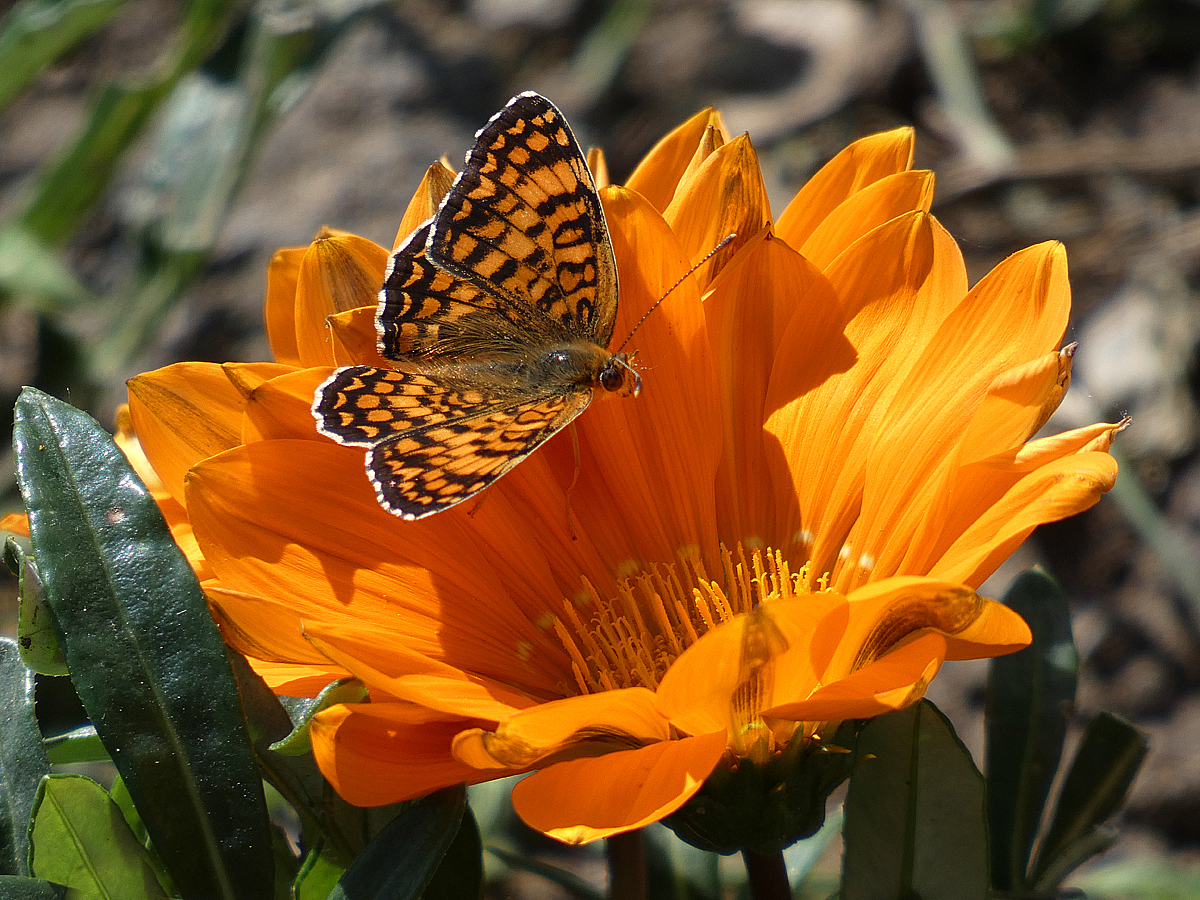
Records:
x=298, y=741
x=23, y=760
x=460, y=875
x=399, y=863
x=36, y=634
x=37, y=32
x=145, y=656
x=318, y=876
x=119, y=794
x=914, y=813
x=16, y=887
x=1100, y=775
x=1029, y=697
x=80, y=840
x=80, y=745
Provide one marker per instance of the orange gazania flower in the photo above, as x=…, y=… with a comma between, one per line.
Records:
x=832, y=452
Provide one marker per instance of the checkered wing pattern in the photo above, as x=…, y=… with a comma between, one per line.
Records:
x=432, y=444
x=523, y=220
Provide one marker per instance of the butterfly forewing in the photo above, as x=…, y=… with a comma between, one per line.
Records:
x=427, y=313
x=523, y=219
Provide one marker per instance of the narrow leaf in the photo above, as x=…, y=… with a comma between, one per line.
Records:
x=80, y=840
x=914, y=813
x=404, y=855
x=23, y=760
x=36, y=633
x=1100, y=776
x=144, y=653
x=1029, y=697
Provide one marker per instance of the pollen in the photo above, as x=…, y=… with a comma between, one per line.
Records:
x=631, y=639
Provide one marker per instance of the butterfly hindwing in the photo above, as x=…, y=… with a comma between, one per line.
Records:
x=523, y=220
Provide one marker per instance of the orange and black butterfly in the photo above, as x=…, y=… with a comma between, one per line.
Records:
x=498, y=312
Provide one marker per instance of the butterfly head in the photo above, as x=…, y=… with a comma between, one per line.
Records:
x=619, y=377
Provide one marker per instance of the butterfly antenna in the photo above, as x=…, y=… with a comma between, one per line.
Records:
x=709, y=255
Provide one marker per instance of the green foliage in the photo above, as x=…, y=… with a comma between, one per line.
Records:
x=915, y=822
x=146, y=657
x=23, y=760
x=81, y=840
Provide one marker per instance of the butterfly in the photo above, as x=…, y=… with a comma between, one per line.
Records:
x=497, y=311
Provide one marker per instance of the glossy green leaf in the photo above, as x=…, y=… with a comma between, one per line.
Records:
x=80, y=745
x=17, y=887
x=80, y=840
x=36, y=632
x=1100, y=776
x=298, y=741
x=460, y=875
x=915, y=822
x=145, y=656
x=399, y=863
x=119, y=794
x=1030, y=695
x=23, y=760
x=37, y=32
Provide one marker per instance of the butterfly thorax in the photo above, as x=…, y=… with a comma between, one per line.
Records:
x=564, y=366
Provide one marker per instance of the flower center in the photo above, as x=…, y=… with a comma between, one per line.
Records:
x=630, y=640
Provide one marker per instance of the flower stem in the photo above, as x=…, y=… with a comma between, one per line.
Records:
x=627, y=866
x=767, y=874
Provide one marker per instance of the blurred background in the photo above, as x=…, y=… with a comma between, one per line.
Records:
x=154, y=154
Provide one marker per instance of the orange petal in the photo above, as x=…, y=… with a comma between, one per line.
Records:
x=892, y=682
x=356, y=339
x=725, y=195
x=182, y=414
x=298, y=522
x=659, y=171
x=264, y=627
x=374, y=755
x=614, y=719
x=1017, y=404
x=748, y=310
x=15, y=523
x=291, y=680
x=338, y=273
x=875, y=204
x=279, y=307
x=1054, y=491
x=862, y=163
x=282, y=407
x=414, y=678
x=598, y=165
x=425, y=202
x=1016, y=313
x=584, y=800
x=697, y=692
x=897, y=284
x=648, y=463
